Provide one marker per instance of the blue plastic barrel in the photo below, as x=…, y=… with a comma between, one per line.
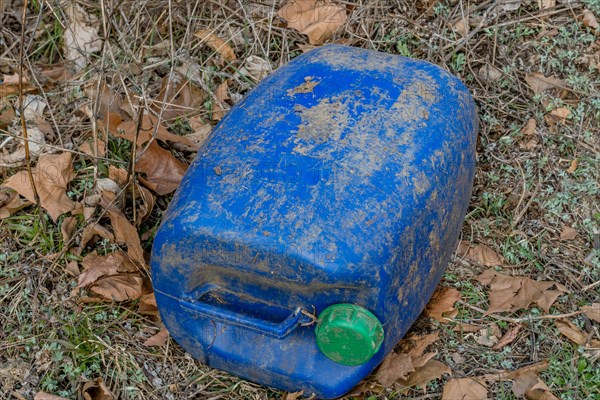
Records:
x=315, y=223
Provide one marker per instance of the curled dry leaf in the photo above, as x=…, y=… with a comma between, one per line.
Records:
x=37, y=145
x=148, y=305
x=51, y=176
x=488, y=336
x=126, y=233
x=540, y=83
x=509, y=337
x=217, y=44
x=67, y=228
x=465, y=389
x=160, y=339
x=220, y=108
x=177, y=97
x=480, y=254
x=509, y=293
x=573, y=167
x=81, y=36
x=441, y=305
x=530, y=385
x=96, y=390
x=11, y=202
x=256, y=68
x=558, y=115
x=149, y=128
x=95, y=229
x=575, y=334
x=163, y=171
x=317, y=19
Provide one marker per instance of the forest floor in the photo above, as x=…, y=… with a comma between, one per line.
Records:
x=518, y=311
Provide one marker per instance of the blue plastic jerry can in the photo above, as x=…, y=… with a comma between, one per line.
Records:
x=317, y=220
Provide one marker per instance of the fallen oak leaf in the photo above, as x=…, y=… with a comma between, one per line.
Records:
x=480, y=254
x=159, y=339
x=465, y=389
x=67, y=228
x=51, y=176
x=149, y=128
x=314, y=18
x=220, y=108
x=395, y=366
x=96, y=266
x=126, y=233
x=568, y=233
x=177, y=97
x=441, y=305
x=95, y=229
x=571, y=331
x=163, y=171
x=540, y=83
x=509, y=293
x=81, y=36
x=432, y=370
x=217, y=44
x=37, y=145
x=488, y=336
x=148, y=305
x=122, y=287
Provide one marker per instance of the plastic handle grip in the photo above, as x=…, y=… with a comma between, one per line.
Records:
x=272, y=329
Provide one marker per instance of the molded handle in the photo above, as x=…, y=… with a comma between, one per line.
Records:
x=272, y=329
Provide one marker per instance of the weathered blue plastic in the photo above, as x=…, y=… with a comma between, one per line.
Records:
x=343, y=177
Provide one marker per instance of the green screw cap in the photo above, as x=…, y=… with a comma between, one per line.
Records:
x=348, y=334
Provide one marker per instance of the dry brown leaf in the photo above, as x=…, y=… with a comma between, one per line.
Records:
x=149, y=128
x=88, y=147
x=571, y=331
x=72, y=269
x=7, y=113
x=126, y=233
x=67, y=228
x=51, y=176
x=395, y=366
x=294, y=395
x=47, y=396
x=315, y=18
x=592, y=312
x=146, y=201
x=530, y=385
x=467, y=328
x=462, y=27
x=558, y=115
x=81, y=36
x=415, y=345
x=256, y=68
x=540, y=83
x=95, y=229
x=509, y=337
x=163, y=171
x=509, y=293
x=465, y=389
x=37, y=145
x=573, y=167
x=568, y=233
x=441, y=305
x=589, y=20
x=217, y=44
x=431, y=370
x=120, y=287
x=545, y=4
x=488, y=336
x=96, y=390
x=160, y=339
x=530, y=126
x=220, y=108
x=200, y=135
x=148, y=305
x=480, y=254
x=11, y=202
x=177, y=98
x=512, y=375
x=96, y=266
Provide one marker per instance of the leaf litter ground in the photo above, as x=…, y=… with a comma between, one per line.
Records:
x=117, y=100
